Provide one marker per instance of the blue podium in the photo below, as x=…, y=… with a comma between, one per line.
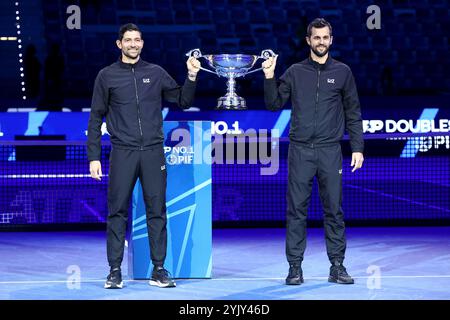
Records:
x=187, y=150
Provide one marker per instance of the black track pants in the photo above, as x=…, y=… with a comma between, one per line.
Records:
x=125, y=167
x=305, y=162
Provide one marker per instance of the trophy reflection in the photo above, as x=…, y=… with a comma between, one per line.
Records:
x=231, y=66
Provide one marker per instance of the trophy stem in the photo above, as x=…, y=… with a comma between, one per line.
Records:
x=231, y=86
x=231, y=100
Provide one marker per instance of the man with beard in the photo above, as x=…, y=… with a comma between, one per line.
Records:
x=129, y=93
x=324, y=102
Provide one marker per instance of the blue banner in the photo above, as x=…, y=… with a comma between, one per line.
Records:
x=189, y=211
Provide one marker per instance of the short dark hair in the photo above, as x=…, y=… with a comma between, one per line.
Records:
x=128, y=27
x=318, y=23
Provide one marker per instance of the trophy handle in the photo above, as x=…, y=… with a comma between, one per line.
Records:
x=265, y=54
x=197, y=54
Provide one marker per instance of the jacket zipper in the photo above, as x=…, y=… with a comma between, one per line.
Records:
x=138, y=108
x=317, y=102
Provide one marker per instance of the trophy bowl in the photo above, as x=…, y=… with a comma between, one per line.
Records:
x=231, y=66
x=238, y=64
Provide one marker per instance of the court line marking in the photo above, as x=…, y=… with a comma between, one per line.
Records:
x=388, y=195
x=219, y=279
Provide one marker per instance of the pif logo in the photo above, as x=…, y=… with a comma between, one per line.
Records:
x=179, y=155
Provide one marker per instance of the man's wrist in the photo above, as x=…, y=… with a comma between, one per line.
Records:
x=192, y=75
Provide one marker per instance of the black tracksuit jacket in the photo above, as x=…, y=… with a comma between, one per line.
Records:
x=324, y=102
x=130, y=97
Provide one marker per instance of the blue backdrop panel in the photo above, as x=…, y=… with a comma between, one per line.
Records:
x=189, y=211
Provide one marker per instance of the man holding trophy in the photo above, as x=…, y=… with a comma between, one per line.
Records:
x=129, y=93
x=324, y=102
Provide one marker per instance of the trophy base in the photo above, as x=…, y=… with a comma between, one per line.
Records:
x=231, y=103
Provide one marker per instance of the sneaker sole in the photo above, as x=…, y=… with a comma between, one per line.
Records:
x=333, y=280
x=162, y=285
x=113, y=286
x=294, y=283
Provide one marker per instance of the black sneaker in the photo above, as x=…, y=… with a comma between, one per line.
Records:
x=295, y=276
x=161, y=278
x=338, y=274
x=114, y=280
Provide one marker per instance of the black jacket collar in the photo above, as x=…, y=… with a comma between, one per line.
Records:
x=317, y=65
x=124, y=65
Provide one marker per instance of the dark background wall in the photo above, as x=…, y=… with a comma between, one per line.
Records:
x=408, y=56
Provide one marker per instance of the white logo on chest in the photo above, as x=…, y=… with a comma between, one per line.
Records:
x=146, y=80
x=330, y=80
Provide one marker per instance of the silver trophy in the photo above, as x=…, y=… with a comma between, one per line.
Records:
x=231, y=66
